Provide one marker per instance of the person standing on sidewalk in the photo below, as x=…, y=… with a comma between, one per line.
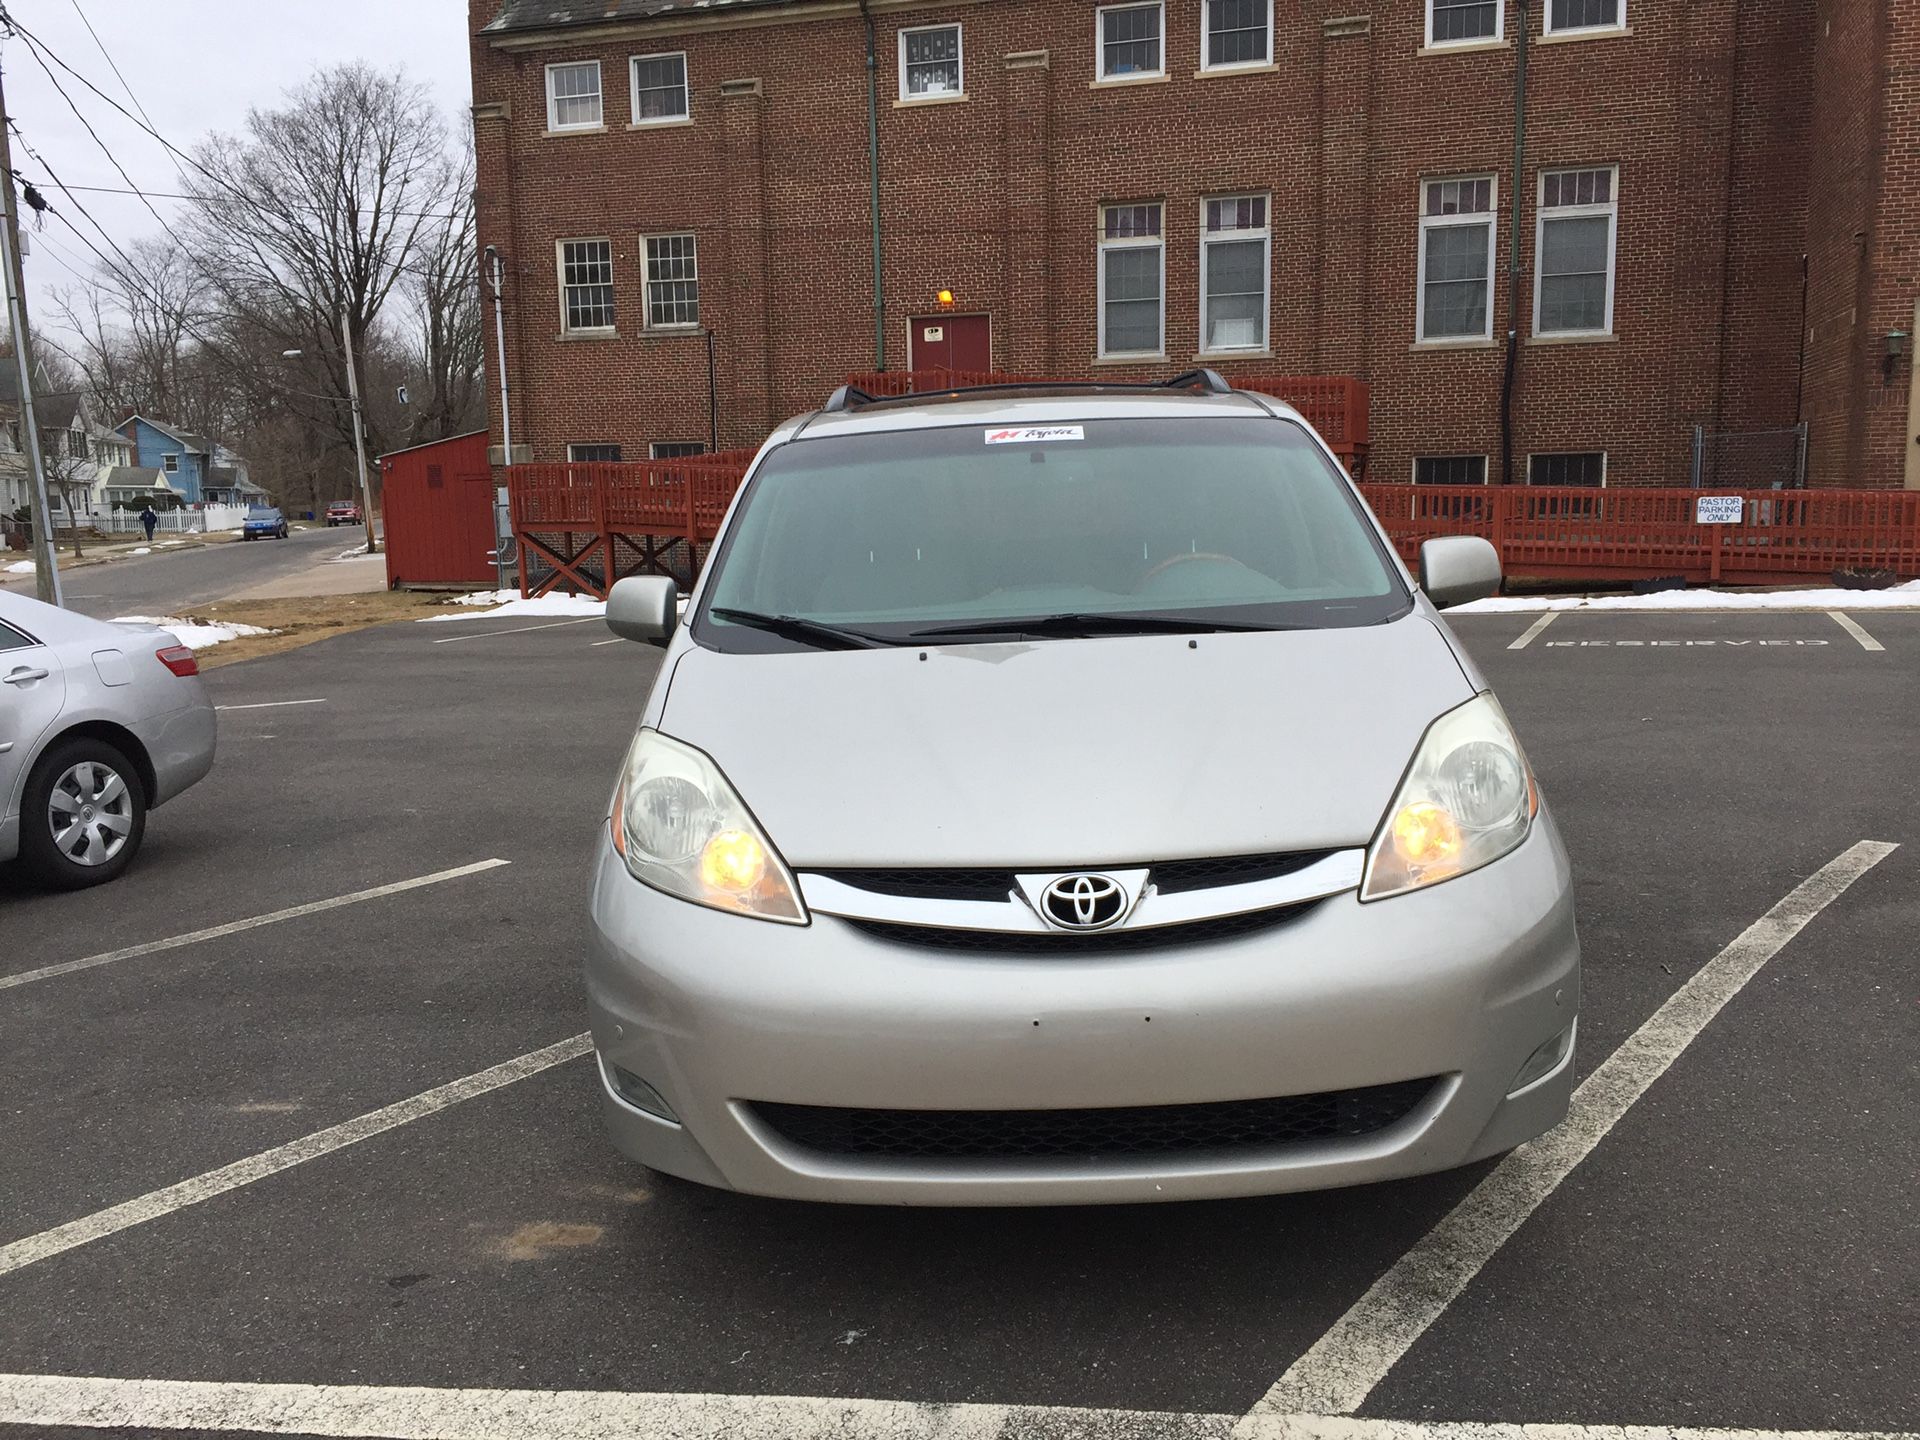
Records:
x=148, y=520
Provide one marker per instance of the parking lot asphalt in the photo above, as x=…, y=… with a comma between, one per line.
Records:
x=1736, y=1251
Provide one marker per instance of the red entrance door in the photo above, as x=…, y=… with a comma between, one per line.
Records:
x=951, y=342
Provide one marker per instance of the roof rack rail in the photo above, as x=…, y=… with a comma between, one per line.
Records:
x=1211, y=381
x=848, y=397
x=845, y=398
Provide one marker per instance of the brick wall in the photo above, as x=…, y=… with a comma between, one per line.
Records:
x=1702, y=106
x=1863, y=237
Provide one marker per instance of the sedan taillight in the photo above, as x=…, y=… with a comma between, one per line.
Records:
x=179, y=659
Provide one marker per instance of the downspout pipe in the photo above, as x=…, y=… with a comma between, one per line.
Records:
x=873, y=173
x=1516, y=202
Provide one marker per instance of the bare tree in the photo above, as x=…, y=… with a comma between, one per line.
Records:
x=69, y=477
x=321, y=206
x=133, y=327
x=443, y=346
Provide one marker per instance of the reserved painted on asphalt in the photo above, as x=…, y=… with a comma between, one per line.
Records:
x=1670, y=644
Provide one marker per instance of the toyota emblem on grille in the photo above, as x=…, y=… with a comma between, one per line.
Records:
x=1083, y=902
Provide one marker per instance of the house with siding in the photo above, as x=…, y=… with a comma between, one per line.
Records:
x=198, y=470
x=79, y=450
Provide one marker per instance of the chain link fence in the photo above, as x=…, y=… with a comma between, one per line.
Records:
x=1750, y=459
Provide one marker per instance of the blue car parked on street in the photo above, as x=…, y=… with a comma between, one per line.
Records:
x=263, y=521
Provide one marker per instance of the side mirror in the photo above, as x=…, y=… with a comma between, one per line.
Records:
x=644, y=608
x=1457, y=568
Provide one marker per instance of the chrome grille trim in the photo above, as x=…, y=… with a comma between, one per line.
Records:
x=1338, y=872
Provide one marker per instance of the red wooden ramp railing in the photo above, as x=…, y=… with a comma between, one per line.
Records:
x=1626, y=534
x=581, y=527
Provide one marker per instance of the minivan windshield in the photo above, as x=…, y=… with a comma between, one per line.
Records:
x=1099, y=527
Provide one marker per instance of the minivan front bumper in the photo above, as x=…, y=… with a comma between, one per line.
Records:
x=1461, y=983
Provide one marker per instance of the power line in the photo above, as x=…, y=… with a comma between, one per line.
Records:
x=37, y=48
x=100, y=45
x=291, y=204
x=88, y=126
x=130, y=276
x=36, y=44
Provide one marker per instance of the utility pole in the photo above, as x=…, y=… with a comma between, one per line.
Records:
x=46, y=573
x=359, y=428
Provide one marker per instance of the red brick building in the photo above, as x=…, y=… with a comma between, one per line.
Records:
x=1718, y=216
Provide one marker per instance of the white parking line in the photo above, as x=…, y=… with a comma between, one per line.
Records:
x=1533, y=630
x=1854, y=628
x=271, y=704
x=519, y=630
x=234, y=927
x=1339, y=1371
x=156, y=1203
x=617, y=640
x=421, y=1413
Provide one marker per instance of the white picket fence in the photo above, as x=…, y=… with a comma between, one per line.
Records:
x=172, y=522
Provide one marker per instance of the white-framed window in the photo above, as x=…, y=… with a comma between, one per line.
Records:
x=170, y=464
x=1568, y=467
x=1236, y=261
x=676, y=449
x=593, y=452
x=1573, y=250
x=586, y=285
x=1566, y=15
x=1465, y=22
x=1450, y=470
x=931, y=62
x=573, y=96
x=659, y=88
x=1234, y=33
x=1456, y=258
x=1132, y=281
x=1129, y=41
x=673, y=282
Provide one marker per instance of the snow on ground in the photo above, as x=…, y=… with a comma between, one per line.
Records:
x=140, y=550
x=21, y=567
x=1900, y=597
x=485, y=604
x=194, y=634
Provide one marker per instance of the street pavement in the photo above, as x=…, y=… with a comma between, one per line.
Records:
x=1736, y=1251
x=173, y=579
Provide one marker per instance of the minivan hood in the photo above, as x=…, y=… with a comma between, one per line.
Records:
x=1067, y=753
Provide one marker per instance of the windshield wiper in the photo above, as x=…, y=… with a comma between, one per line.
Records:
x=795, y=627
x=1078, y=624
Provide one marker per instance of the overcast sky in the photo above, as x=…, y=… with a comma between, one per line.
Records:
x=197, y=66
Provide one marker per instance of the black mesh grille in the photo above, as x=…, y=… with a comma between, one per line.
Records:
x=1170, y=877
x=929, y=884
x=1066, y=946
x=1087, y=1134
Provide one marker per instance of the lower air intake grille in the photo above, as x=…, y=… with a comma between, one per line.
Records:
x=1094, y=1134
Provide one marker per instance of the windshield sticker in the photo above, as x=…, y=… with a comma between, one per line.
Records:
x=1031, y=434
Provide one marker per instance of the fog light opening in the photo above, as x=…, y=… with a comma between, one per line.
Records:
x=630, y=1089
x=1545, y=1060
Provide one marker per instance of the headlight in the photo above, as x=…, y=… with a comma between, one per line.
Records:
x=681, y=828
x=1468, y=799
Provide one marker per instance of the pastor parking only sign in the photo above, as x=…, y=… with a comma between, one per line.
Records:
x=1718, y=509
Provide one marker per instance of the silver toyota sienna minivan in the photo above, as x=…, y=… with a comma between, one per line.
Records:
x=1062, y=794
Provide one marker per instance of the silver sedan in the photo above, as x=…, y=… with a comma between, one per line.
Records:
x=99, y=724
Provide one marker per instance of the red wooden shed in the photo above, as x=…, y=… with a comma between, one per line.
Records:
x=437, y=505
